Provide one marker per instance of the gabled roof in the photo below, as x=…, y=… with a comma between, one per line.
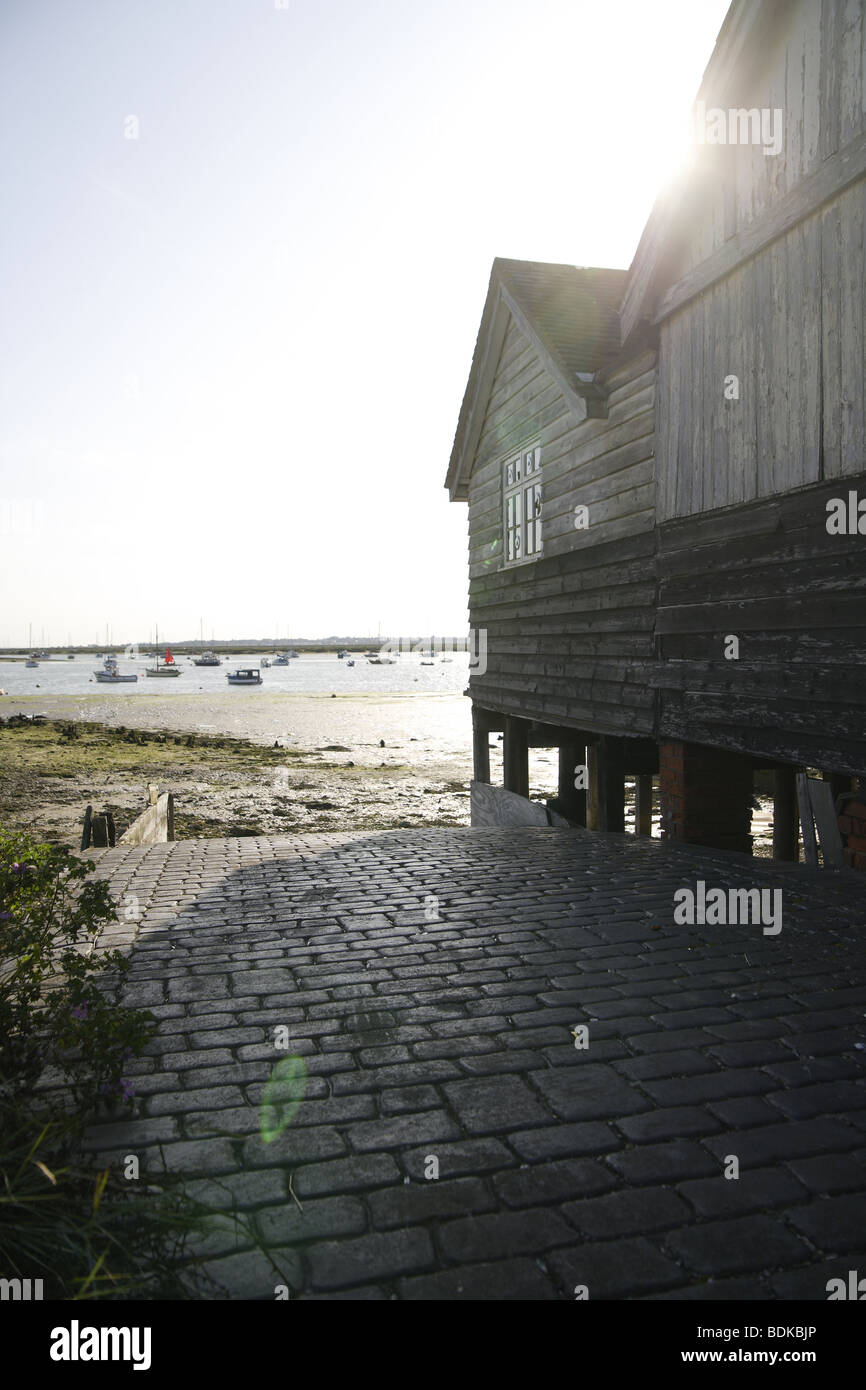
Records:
x=568, y=313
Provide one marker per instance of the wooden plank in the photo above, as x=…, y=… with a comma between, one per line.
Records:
x=824, y=811
x=831, y=346
x=830, y=77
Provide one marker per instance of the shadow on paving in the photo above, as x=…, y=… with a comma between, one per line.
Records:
x=431, y=982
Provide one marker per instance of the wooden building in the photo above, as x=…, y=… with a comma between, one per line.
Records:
x=665, y=467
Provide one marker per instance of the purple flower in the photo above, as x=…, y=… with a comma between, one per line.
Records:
x=5, y=916
x=80, y=1010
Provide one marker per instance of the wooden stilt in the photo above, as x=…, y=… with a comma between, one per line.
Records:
x=611, y=784
x=786, y=827
x=516, y=756
x=592, y=789
x=572, y=799
x=643, y=804
x=480, y=746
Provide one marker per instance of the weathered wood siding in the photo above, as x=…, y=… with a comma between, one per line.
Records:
x=570, y=635
x=742, y=484
x=790, y=321
x=795, y=596
x=815, y=73
x=790, y=324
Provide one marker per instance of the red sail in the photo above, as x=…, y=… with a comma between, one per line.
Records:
x=169, y=659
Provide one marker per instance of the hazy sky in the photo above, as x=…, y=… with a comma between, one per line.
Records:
x=233, y=349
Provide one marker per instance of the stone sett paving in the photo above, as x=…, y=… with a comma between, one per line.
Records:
x=451, y=1037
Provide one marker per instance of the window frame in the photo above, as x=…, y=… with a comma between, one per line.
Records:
x=517, y=482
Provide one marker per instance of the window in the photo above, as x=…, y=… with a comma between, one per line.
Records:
x=521, y=477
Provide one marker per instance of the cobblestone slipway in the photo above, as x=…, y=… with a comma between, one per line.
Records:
x=431, y=981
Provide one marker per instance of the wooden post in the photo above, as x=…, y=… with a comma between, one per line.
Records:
x=611, y=784
x=643, y=804
x=480, y=746
x=592, y=789
x=786, y=828
x=572, y=799
x=516, y=756
x=86, y=830
x=170, y=816
x=99, y=831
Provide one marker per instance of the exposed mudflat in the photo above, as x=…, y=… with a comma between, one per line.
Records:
x=329, y=770
x=344, y=762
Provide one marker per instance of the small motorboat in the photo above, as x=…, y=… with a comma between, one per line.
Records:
x=340, y=655
x=247, y=677
x=207, y=658
x=110, y=673
x=281, y=660
x=265, y=663
x=428, y=663
x=382, y=660
x=31, y=661
x=351, y=661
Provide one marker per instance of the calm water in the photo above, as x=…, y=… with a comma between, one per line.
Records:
x=313, y=673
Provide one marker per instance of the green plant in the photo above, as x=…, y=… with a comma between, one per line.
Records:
x=58, y=1010
x=86, y=1233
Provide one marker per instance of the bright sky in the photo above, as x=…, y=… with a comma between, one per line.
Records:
x=233, y=350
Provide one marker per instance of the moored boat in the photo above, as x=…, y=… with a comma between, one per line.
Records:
x=250, y=676
x=110, y=673
x=167, y=667
x=207, y=658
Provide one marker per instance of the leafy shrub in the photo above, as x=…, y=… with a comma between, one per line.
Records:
x=57, y=1010
x=86, y=1234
